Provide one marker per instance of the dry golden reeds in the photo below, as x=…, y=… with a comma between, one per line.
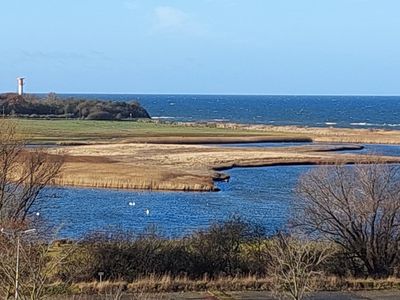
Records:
x=166, y=283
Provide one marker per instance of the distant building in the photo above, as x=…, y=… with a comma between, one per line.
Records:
x=20, y=85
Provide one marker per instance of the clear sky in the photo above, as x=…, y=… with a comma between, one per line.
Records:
x=201, y=46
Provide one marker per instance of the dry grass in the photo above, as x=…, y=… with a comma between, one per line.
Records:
x=181, y=167
x=163, y=284
x=329, y=135
x=166, y=284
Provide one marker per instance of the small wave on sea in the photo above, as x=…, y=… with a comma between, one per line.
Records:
x=365, y=124
x=375, y=124
x=330, y=123
x=162, y=118
x=220, y=120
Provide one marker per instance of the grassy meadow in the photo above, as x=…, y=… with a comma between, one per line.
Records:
x=86, y=130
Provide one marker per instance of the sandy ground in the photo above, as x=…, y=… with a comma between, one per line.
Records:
x=183, y=167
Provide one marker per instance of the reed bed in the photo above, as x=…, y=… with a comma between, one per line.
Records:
x=167, y=284
x=182, y=167
x=124, y=176
x=318, y=134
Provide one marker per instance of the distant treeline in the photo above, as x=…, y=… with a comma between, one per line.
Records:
x=52, y=106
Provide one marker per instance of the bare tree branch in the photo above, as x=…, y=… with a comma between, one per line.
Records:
x=358, y=207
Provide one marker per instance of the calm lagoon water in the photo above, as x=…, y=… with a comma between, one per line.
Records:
x=262, y=195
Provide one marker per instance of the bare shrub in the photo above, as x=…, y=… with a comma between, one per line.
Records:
x=231, y=248
x=39, y=262
x=295, y=265
x=217, y=250
x=23, y=174
x=357, y=207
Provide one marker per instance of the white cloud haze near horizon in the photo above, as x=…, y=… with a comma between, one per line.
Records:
x=203, y=46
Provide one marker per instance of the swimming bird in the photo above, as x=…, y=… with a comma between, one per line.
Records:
x=147, y=212
x=132, y=203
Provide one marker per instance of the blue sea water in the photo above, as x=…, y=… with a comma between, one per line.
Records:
x=320, y=111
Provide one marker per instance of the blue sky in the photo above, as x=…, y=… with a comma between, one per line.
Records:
x=201, y=46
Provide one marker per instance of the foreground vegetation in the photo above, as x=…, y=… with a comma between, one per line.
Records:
x=234, y=255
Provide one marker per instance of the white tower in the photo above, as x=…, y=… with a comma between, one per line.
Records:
x=20, y=85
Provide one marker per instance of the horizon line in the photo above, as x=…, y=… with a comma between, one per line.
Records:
x=214, y=94
x=207, y=94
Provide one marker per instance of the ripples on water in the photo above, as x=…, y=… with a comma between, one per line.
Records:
x=262, y=195
x=177, y=213
x=320, y=111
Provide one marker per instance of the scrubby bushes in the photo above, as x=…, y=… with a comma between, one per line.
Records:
x=234, y=248
x=101, y=115
x=225, y=249
x=52, y=106
x=229, y=249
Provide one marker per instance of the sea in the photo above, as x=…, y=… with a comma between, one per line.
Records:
x=263, y=195
x=316, y=111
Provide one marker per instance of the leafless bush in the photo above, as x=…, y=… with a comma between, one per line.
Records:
x=357, y=207
x=23, y=175
x=38, y=264
x=229, y=248
x=295, y=265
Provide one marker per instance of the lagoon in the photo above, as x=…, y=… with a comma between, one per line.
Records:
x=262, y=195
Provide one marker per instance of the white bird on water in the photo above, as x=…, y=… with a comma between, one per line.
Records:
x=132, y=203
x=147, y=212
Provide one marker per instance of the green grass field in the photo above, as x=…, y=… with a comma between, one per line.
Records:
x=82, y=130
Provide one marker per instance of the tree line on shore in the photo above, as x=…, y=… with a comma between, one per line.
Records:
x=345, y=223
x=53, y=106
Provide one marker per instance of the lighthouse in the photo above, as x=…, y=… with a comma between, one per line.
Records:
x=20, y=85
